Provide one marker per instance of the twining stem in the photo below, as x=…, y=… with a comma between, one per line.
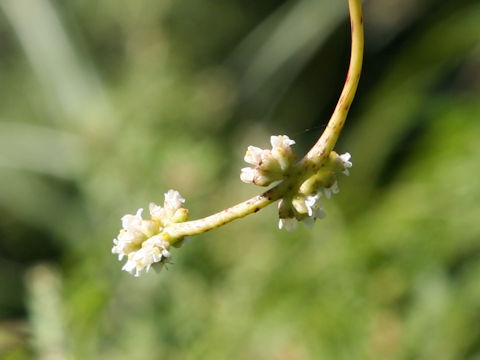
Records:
x=329, y=137
x=311, y=161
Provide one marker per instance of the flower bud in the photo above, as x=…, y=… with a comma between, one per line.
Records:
x=269, y=165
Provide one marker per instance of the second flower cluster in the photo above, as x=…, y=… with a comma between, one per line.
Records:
x=303, y=202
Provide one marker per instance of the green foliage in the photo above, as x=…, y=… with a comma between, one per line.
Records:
x=105, y=105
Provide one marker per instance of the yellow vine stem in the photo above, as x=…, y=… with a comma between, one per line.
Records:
x=311, y=162
x=327, y=140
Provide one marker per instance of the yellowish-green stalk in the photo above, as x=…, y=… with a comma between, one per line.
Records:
x=311, y=162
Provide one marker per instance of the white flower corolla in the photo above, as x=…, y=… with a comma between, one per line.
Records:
x=288, y=224
x=331, y=190
x=253, y=176
x=143, y=240
x=173, y=200
x=314, y=207
x=315, y=210
x=135, y=231
x=156, y=211
x=254, y=154
x=154, y=250
x=345, y=159
x=132, y=221
x=268, y=165
x=172, y=209
x=282, y=151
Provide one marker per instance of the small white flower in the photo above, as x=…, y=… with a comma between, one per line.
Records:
x=268, y=165
x=123, y=246
x=314, y=206
x=156, y=211
x=173, y=200
x=247, y=174
x=282, y=151
x=331, y=190
x=131, y=222
x=317, y=213
x=253, y=176
x=134, y=232
x=281, y=141
x=153, y=250
x=310, y=202
x=345, y=158
x=253, y=156
x=288, y=224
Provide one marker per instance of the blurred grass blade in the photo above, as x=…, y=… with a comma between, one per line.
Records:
x=70, y=84
x=279, y=48
x=46, y=313
x=41, y=149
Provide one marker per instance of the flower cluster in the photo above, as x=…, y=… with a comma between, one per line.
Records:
x=269, y=165
x=143, y=241
x=306, y=208
x=305, y=204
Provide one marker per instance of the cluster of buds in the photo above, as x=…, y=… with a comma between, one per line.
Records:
x=302, y=204
x=269, y=165
x=143, y=241
x=305, y=205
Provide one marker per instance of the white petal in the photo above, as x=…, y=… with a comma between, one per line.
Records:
x=345, y=160
x=247, y=175
x=312, y=202
x=156, y=211
x=288, y=224
x=281, y=141
x=129, y=266
x=331, y=190
x=173, y=199
x=165, y=253
x=253, y=155
x=129, y=221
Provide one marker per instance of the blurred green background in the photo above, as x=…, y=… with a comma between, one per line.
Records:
x=105, y=105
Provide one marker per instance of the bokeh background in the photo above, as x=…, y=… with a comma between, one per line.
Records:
x=105, y=105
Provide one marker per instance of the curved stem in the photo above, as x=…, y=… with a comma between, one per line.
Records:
x=223, y=217
x=312, y=160
x=329, y=137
